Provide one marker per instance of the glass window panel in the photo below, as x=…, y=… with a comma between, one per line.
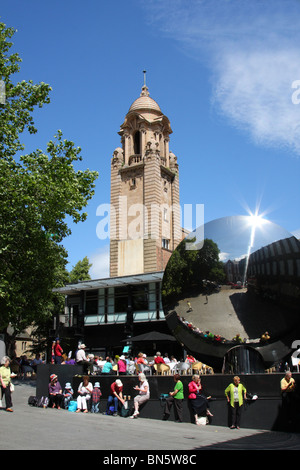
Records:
x=141, y=316
x=91, y=307
x=120, y=317
x=110, y=318
x=152, y=315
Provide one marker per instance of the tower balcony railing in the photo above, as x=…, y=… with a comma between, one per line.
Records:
x=133, y=159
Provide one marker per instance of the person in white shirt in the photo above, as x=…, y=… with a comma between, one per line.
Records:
x=143, y=396
x=84, y=394
x=81, y=358
x=166, y=358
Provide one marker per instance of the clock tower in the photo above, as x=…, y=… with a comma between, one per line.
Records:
x=145, y=213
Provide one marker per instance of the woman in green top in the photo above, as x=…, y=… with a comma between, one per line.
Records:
x=176, y=397
x=5, y=378
x=234, y=394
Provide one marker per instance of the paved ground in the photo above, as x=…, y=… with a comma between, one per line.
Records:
x=233, y=311
x=51, y=429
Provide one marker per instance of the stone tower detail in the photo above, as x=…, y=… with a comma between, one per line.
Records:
x=145, y=212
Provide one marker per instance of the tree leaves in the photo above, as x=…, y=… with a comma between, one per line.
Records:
x=188, y=268
x=80, y=272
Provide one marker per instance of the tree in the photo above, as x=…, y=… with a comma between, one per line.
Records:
x=80, y=271
x=38, y=192
x=187, y=269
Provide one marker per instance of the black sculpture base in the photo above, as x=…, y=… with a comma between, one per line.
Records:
x=264, y=413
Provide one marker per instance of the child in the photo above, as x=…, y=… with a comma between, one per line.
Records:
x=96, y=394
x=68, y=394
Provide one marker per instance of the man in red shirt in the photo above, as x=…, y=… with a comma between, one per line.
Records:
x=158, y=359
x=116, y=395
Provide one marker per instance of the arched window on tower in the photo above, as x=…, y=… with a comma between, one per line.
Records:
x=137, y=143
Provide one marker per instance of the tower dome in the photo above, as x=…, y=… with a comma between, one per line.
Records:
x=145, y=103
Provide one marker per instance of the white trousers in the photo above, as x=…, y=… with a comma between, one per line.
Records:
x=82, y=402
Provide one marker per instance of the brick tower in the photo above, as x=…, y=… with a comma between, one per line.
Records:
x=145, y=212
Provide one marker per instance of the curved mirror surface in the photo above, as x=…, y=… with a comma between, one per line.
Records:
x=235, y=280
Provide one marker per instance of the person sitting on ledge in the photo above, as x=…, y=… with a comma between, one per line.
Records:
x=85, y=390
x=143, y=396
x=81, y=359
x=68, y=395
x=55, y=392
x=115, y=396
x=237, y=338
x=199, y=402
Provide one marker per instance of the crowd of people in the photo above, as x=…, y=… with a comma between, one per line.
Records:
x=204, y=334
x=217, y=338
x=123, y=365
x=88, y=395
x=96, y=364
x=23, y=365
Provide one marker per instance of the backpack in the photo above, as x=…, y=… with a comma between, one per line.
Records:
x=125, y=412
x=110, y=410
x=162, y=398
x=32, y=401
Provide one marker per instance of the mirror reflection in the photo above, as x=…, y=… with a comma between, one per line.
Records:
x=238, y=284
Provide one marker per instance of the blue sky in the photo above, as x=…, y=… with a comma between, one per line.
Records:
x=222, y=71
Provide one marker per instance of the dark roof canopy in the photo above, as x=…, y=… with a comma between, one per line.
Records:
x=110, y=282
x=151, y=336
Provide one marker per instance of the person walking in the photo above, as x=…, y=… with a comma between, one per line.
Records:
x=235, y=394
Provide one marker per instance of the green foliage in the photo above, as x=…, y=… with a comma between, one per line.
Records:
x=37, y=193
x=187, y=269
x=80, y=271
